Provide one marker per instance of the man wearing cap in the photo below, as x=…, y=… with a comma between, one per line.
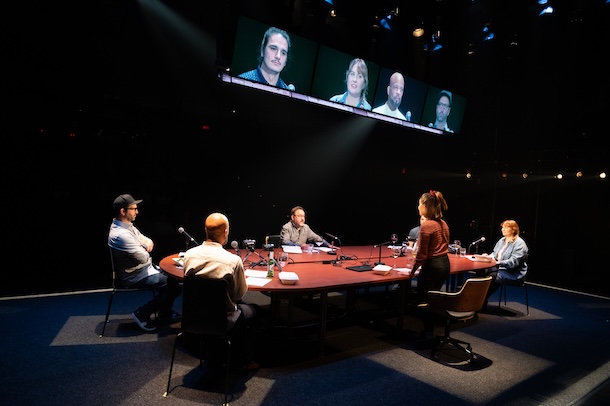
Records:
x=133, y=264
x=443, y=108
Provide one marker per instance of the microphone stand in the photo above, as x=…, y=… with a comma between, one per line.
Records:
x=379, y=262
x=380, y=245
x=251, y=250
x=188, y=238
x=333, y=249
x=476, y=246
x=188, y=242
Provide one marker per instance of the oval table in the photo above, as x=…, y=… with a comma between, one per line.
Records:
x=321, y=273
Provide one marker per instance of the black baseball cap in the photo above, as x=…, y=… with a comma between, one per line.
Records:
x=124, y=201
x=447, y=94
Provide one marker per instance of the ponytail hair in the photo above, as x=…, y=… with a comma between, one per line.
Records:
x=434, y=204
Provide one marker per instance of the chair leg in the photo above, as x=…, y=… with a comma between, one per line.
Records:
x=503, y=290
x=171, y=366
x=107, y=312
x=447, y=339
x=228, y=368
x=500, y=298
x=527, y=301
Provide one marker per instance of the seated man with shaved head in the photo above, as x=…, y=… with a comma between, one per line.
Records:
x=211, y=260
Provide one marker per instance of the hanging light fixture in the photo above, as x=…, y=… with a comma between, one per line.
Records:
x=418, y=31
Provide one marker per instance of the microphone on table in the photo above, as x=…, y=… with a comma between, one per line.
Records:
x=235, y=246
x=334, y=238
x=382, y=244
x=291, y=87
x=480, y=240
x=181, y=230
x=408, y=116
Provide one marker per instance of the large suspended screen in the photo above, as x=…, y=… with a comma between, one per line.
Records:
x=274, y=60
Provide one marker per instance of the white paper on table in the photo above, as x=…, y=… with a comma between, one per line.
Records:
x=292, y=249
x=479, y=258
x=254, y=281
x=255, y=274
x=323, y=249
x=403, y=270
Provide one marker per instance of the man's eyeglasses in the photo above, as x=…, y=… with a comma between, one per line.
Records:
x=132, y=208
x=444, y=106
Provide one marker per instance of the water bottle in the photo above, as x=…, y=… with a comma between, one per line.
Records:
x=270, y=264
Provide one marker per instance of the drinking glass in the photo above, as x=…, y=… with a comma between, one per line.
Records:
x=395, y=254
x=319, y=243
x=458, y=245
x=283, y=259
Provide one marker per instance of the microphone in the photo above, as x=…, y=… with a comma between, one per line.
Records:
x=408, y=115
x=181, y=230
x=332, y=236
x=482, y=239
x=235, y=246
x=382, y=244
x=291, y=87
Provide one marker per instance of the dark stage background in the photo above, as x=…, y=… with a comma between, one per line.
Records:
x=123, y=97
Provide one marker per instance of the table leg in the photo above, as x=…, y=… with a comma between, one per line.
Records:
x=402, y=293
x=323, y=314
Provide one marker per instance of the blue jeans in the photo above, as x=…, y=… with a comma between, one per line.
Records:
x=167, y=290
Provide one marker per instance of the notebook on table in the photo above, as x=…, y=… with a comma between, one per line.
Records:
x=360, y=268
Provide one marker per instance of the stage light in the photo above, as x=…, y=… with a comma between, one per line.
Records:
x=389, y=20
x=488, y=35
x=559, y=176
x=579, y=174
x=418, y=31
x=504, y=175
x=546, y=10
x=434, y=44
x=525, y=175
x=602, y=175
x=385, y=24
x=468, y=175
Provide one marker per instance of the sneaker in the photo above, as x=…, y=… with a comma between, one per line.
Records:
x=143, y=321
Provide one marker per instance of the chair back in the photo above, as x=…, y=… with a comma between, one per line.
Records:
x=470, y=298
x=204, y=305
x=114, y=277
x=274, y=239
